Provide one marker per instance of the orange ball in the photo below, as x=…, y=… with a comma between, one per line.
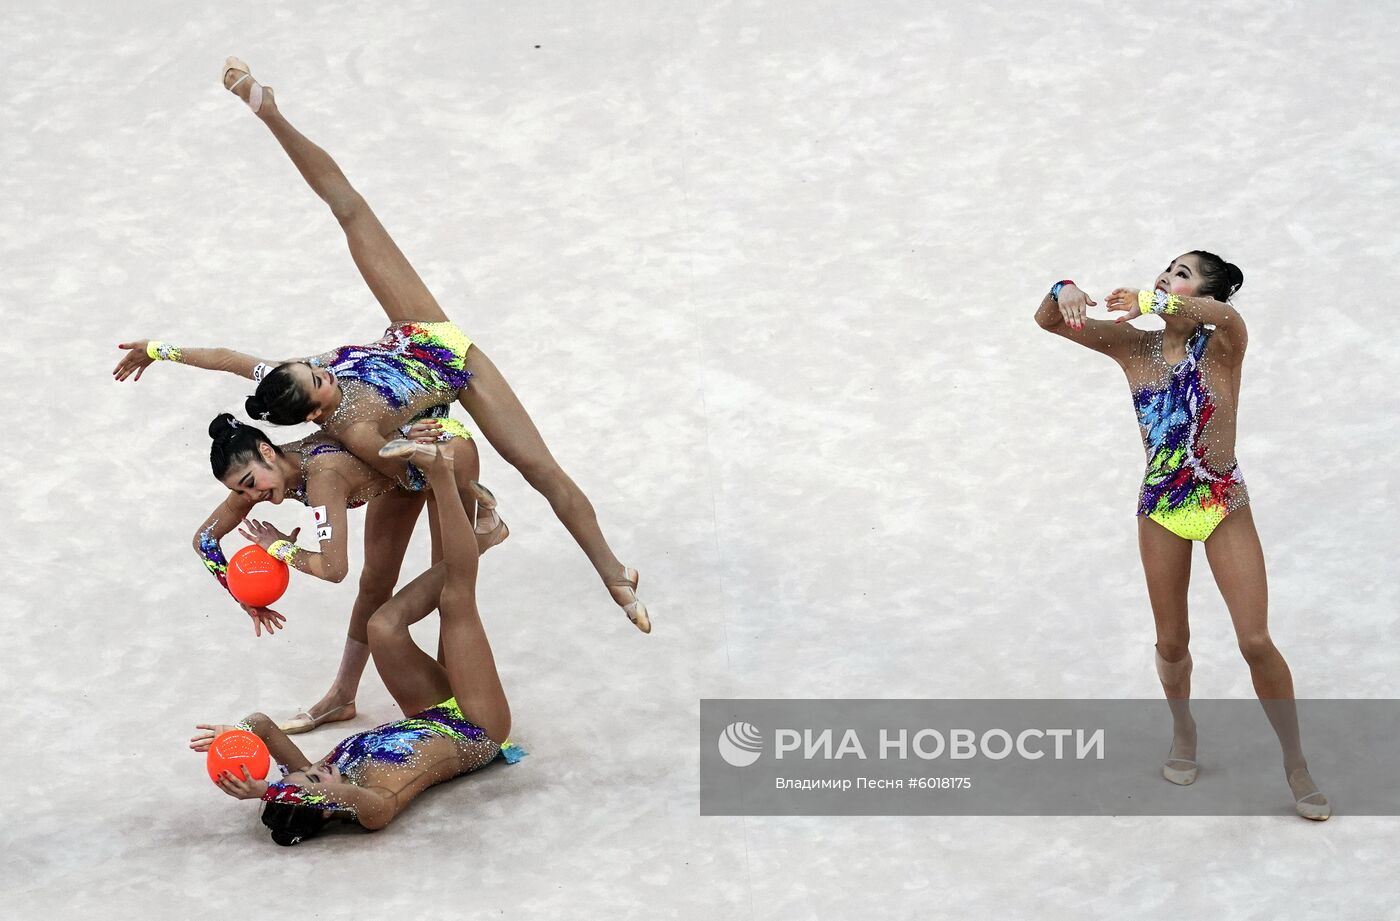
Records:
x=234, y=750
x=256, y=578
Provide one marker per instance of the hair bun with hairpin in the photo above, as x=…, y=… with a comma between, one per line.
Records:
x=1234, y=277
x=223, y=426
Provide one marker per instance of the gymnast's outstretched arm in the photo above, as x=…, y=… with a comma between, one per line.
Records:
x=283, y=750
x=142, y=353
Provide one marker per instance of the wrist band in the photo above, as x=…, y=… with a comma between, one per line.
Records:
x=260, y=370
x=1158, y=302
x=161, y=351
x=284, y=550
x=1055, y=289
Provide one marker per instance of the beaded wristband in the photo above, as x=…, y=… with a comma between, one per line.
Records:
x=161, y=351
x=284, y=550
x=1158, y=302
x=1055, y=289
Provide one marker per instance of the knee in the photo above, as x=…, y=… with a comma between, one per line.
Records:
x=1257, y=648
x=385, y=623
x=550, y=480
x=377, y=585
x=456, y=603
x=347, y=207
x=1174, y=651
x=538, y=472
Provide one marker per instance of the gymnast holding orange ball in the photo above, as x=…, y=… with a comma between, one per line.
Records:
x=255, y=578
x=233, y=751
x=320, y=473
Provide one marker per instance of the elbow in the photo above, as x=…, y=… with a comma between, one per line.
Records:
x=372, y=822
x=337, y=573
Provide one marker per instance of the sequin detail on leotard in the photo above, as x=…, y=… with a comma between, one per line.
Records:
x=414, y=478
x=1180, y=490
x=319, y=446
x=396, y=742
x=410, y=361
x=213, y=555
x=410, y=750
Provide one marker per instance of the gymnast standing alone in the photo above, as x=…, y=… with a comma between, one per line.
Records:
x=1185, y=383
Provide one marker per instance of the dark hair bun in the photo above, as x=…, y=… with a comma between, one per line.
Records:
x=286, y=838
x=1234, y=278
x=255, y=406
x=222, y=427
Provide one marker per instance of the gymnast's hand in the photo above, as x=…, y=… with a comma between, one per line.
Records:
x=244, y=787
x=1074, y=305
x=265, y=617
x=264, y=534
x=424, y=431
x=1125, y=299
x=134, y=361
x=208, y=732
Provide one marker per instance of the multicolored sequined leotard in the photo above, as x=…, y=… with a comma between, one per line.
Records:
x=405, y=757
x=1192, y=480
x=403, y=742
x=412, y=368
x=415, y=371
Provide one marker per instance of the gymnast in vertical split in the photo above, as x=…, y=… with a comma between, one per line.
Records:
x=1185, y=383
x=364, y=396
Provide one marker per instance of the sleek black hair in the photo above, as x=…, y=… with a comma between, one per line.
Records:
x=279, y=399
x=293, y=824
x=1221, y=279
x=235, y=443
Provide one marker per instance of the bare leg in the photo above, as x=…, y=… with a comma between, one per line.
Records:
x=471, y=668
x=492, y=404
x=1237, y=561
x=413, y=677
x=388, y=273
x=389, y=523
x=1166, y=562
x=435, y=528
x=505, y=423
